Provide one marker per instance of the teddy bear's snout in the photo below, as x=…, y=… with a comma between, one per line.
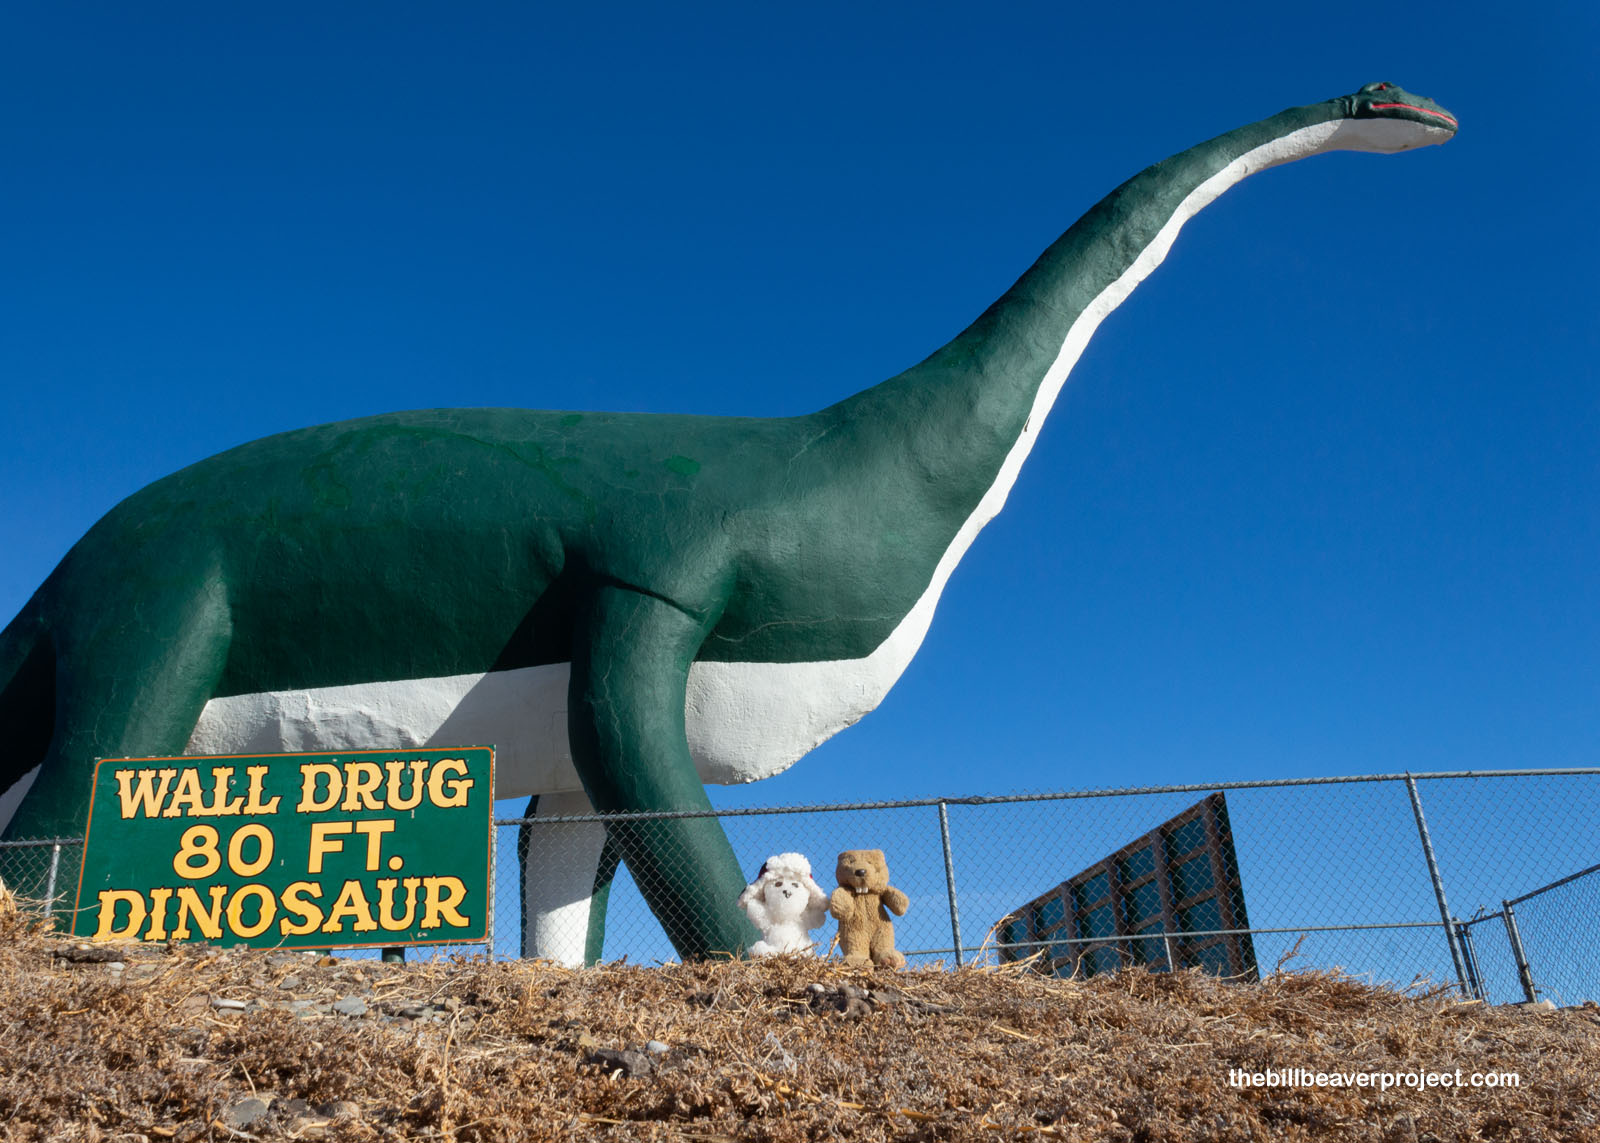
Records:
x=861, y=873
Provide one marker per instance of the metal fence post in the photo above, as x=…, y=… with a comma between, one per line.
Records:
x=950, y=879
x=1438, y=883
x=1469, y=958
x=488, y=925
x=50, y=886
x=1514, y=935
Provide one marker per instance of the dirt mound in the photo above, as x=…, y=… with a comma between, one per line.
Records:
x=183, y=1043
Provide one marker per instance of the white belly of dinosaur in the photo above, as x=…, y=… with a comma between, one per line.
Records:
x=745, y=720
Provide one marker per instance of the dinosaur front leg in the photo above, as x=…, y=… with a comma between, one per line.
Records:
x=567, y=870
x=625, y=719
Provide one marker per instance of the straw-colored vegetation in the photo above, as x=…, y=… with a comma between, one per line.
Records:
x=189, y=1043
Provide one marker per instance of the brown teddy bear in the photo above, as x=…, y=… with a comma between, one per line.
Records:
x=862, y=905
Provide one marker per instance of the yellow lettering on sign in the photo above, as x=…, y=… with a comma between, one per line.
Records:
x=109, y=900
x=352, y=902
x=309, y=773
x=145, y=798
x=374, y=828
x=453, y=891
x=197, y=842
x=361, y=781
x=253, y=806
x=189, y=906
x=265, y=909
x=246, y=909
x=221, y=806
x=237, y=865
x=386, y=917
x=294, y=902
x=188, y=795
x=396, y=769
x=446, y=794
x=159, y=900
x=324, y=842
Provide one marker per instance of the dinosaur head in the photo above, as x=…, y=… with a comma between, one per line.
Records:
x=1396, y=120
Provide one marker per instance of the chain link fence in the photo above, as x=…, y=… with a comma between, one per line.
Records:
x=1558, y=921
x=45, y=872
x=1370, y=875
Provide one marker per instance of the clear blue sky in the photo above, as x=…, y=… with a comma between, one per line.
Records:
x=1322, y=497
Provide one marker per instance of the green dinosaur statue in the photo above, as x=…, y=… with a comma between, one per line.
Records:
x=627, y=606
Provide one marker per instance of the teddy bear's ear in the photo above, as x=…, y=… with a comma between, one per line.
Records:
x=763, y=871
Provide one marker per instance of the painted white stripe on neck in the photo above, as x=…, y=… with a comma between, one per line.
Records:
x=1383, y=135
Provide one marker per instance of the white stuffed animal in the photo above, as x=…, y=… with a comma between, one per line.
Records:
x=784, y=903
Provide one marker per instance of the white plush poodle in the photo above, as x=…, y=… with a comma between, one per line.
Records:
x=784, y=903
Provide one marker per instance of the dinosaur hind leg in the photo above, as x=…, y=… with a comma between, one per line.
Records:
x=27, y=707
x=124, y=688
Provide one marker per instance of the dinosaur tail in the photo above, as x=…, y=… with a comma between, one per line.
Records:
x=27, y=703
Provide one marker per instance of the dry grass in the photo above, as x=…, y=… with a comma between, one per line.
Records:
x=758, y=1051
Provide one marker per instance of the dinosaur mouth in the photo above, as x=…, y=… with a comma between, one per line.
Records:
x=1450, y=119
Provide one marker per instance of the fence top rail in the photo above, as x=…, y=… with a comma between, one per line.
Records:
x=992, y=800
x=1553, y=885
x=1187, y=934
x=1056, y=796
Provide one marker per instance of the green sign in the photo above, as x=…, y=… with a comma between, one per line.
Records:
x=291, y=850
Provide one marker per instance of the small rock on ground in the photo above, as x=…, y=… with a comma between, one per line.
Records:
x=342, y=1109
x=633, y=1063
x=243, y=1112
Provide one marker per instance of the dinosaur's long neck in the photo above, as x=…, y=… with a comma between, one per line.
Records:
x=960, y=423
